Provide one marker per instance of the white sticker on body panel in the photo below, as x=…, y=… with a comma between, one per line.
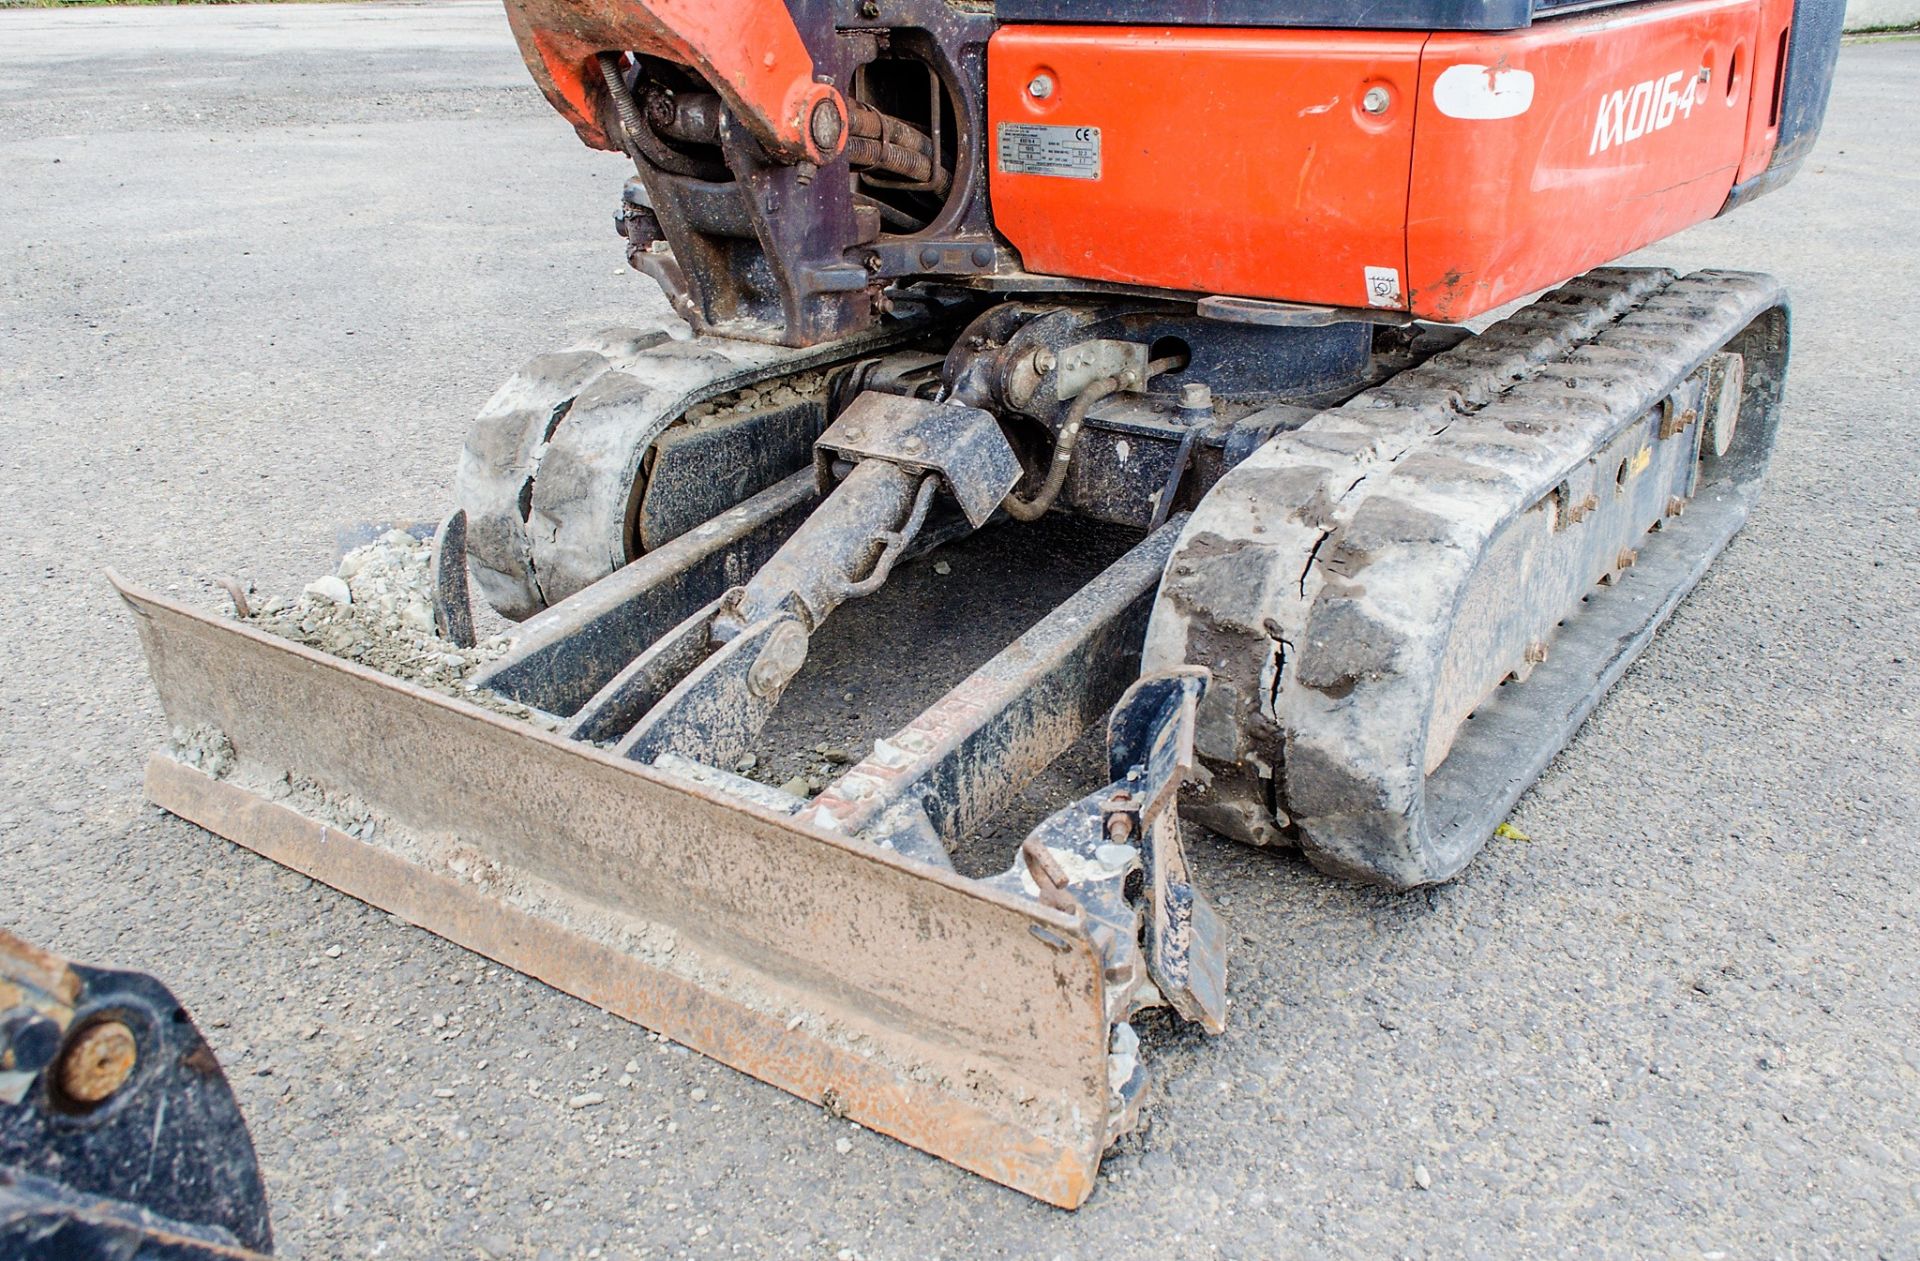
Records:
x=1383, y=286
x=1039, y=149
x=1483, y=92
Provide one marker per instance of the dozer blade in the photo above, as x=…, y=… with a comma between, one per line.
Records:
x=965, y=1020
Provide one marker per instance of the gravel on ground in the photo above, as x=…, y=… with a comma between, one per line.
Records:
x=260, y=267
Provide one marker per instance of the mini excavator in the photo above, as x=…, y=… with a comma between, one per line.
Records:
x=1205, y=273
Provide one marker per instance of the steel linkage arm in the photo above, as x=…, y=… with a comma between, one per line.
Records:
x=708, y=687
x=1114, y=860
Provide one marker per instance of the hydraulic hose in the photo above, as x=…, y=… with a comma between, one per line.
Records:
x=1033, y=509
x=642, y=145
x=894, y=542
x=899, y=220
x=623, y=102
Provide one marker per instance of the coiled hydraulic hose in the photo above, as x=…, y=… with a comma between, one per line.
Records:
x=1033, y=509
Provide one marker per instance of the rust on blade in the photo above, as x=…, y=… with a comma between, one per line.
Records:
x=961, y=1020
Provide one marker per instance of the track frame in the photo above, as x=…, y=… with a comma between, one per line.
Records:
x=1343, y=582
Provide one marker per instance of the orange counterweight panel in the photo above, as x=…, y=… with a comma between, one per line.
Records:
x=1769, y=75
x=1217, y=161
x=1443, y=174
x=1541, y=153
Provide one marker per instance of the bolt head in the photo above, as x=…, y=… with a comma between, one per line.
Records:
x=1195, y=396
x=1376, y=100
x=97, y=1062
x=1040, y=87
x=826, y=126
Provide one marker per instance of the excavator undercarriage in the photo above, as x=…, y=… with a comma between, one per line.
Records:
x=1371, y=569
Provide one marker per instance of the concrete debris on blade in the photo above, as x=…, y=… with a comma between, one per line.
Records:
x=376, y=608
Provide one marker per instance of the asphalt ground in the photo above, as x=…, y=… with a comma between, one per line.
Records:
x=258, y=266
